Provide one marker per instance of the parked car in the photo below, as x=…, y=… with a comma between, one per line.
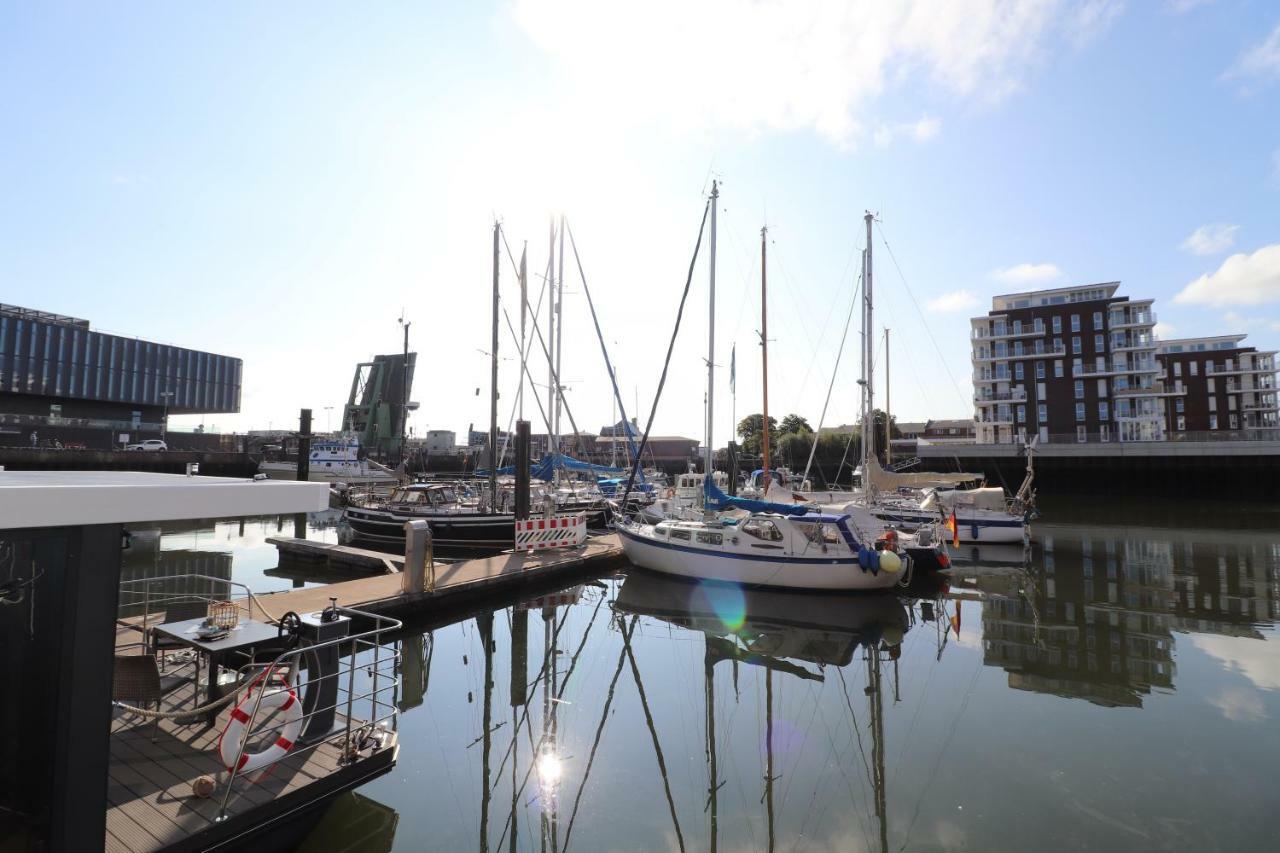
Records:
x=149, y=444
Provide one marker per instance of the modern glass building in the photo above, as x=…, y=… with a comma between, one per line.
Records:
x=55, y=372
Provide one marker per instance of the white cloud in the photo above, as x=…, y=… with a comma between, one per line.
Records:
x=950, y=303
x=781, y=66
x=1028, y=274
x=1241, y=280
x=1165, y=330
x=922, y=130
x=1210, y=239
x=1256, y=660
x=1261, y=61
x=1240, y=705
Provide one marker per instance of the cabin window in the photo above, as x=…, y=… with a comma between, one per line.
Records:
x=677, y=533
x=710, y=538
x=762, y=529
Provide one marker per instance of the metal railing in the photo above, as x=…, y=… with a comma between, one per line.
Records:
x=370, y=674
x=1249, y=434
x=180, y=588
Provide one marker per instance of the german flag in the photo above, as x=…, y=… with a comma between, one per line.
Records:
x=954, y=529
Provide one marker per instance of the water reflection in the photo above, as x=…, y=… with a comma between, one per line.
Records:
x=1093, y=614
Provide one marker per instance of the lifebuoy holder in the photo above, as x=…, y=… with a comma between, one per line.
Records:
x=283, y=699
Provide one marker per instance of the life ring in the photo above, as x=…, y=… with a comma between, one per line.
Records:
x=286, y=701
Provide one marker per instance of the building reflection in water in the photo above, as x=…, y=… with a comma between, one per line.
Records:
x=1094, y=613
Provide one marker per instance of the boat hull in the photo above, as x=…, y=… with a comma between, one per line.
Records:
x=971, y=528
x=754, y=570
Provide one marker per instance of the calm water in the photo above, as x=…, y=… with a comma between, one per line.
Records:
x=1115, y=689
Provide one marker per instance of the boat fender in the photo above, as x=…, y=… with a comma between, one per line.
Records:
x=890, y=562
x=286, y=701
x=868, y=560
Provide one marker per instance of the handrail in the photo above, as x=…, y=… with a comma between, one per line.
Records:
x=147, y=600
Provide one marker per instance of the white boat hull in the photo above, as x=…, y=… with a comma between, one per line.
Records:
x=784, y=571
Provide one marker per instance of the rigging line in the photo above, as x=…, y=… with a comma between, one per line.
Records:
x=866, y=765
x=831, y=386
x=923, y=321
x=604, y=350
x=653, y=733
x=816, y=342
x=595, y=744
x=662, y=381
x=555, y=376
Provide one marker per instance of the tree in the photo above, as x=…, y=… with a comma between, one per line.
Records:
x=795, y=424
x=750, y=429
x=877, y=435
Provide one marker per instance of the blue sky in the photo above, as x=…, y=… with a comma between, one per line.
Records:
x=279, y=182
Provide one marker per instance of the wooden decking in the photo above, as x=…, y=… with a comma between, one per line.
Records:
x=150, y=804
x=382, y=593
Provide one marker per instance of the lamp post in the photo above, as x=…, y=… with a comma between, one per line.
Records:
x=164, y=419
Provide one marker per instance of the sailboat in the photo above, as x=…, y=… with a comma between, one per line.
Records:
x=759, y=542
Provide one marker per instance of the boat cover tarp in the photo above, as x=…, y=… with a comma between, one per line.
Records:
x=890, y=481
x=990, y=498
x=717, y=500
x=546, y=467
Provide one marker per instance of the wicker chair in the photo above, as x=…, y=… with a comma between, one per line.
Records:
x=137, y=680
x=177, y=611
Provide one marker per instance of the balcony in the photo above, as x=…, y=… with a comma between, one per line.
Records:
x=1113, y=370
x=1137, y=342
x=1136, y=319
x=988, y=379
x=1155, y=389
x=1025, y=332
x=1263, y=404
x=1016, y=395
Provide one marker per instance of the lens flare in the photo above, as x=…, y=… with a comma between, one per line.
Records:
x=549, y=769
x=727, y=602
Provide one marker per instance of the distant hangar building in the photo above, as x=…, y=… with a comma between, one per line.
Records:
x=61, y=381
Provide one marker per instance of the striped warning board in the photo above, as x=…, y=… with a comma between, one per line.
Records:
x=561, y=532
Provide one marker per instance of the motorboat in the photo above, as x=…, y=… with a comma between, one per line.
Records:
x=333, y=460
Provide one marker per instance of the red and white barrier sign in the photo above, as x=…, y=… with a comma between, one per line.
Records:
x=565, y=531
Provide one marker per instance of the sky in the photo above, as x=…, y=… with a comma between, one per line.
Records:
x=283, y=182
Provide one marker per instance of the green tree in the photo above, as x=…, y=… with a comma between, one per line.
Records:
x=795, y=424
x=750, y=429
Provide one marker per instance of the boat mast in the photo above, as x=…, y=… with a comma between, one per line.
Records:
x=876, y=701
x=493, y=386
x=764, y=357
x=551, y=337
x=868, y=348
x=559, y=346
x=711, y=342
x=524, y=305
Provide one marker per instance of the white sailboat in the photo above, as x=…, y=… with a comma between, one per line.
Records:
x=758, y=543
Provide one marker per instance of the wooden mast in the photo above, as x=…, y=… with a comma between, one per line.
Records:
x=764, y=357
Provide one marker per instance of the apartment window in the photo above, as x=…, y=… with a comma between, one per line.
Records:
x=1017, y=327
x=1075, y=345
x=1102, y=387
x=1179, y=405
x=1075, y=322
x=1022, y=414
x=1097, y=320
x=1077, y=366
x=1079, y=411
x=1099, y=343
x=1057, y=368
x=1002, y=349
x=1213, y=404
x=1177, y=368
x=1039, y=327
x=1079, y=389
x=1042, y=413
x=1229, y=363
x=1213, y=421
x=1194, y=366
x=1044, y=435
x=1039, y=370
x=1040, y=393
x=1182, y=422
x=1235, y=422
x=1177, y=386
x=1231, y=403
x=1081, y=435
x=1057, y=325
x=1104, y=433
x=1208, y=367
x=1017, y=370
x=1211, y=381
x=1104, y=411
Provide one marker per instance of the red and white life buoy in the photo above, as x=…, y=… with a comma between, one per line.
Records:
x=229, y=744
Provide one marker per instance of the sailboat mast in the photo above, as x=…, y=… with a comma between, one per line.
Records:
x=868, y=344
x=764, y=356
x=551, y=338
x=524, y=312
x=711, y=339
x=877, y=742
x=559, y=336
x=493, y=388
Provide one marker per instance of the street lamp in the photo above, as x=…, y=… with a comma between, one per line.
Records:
x=164, y=419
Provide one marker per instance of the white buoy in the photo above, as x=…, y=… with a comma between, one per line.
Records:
x=890, y=562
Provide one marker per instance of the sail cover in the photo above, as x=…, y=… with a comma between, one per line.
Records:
x=717, y=500
x=546, y=467
x=889, y=481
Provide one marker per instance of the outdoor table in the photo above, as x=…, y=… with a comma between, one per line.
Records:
x=245, y=637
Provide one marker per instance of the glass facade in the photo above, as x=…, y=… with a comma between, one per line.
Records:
x=62, y=360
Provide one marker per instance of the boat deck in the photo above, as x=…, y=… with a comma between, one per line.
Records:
x=150, y=803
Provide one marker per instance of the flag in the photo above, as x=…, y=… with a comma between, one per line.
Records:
x=954, y=529
x=955, y=620
x=733, y=369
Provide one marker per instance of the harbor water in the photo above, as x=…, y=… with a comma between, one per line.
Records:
x=1115, y=686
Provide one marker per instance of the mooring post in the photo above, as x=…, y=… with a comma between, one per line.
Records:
x=304, y=468
x=522, y=470
x=419, y=573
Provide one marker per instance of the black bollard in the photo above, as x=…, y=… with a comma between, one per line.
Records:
x=522, y=470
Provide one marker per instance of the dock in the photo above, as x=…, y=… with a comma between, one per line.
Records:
x=454, y=582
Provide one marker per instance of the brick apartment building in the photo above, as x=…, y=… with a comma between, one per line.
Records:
x=1082, y=364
